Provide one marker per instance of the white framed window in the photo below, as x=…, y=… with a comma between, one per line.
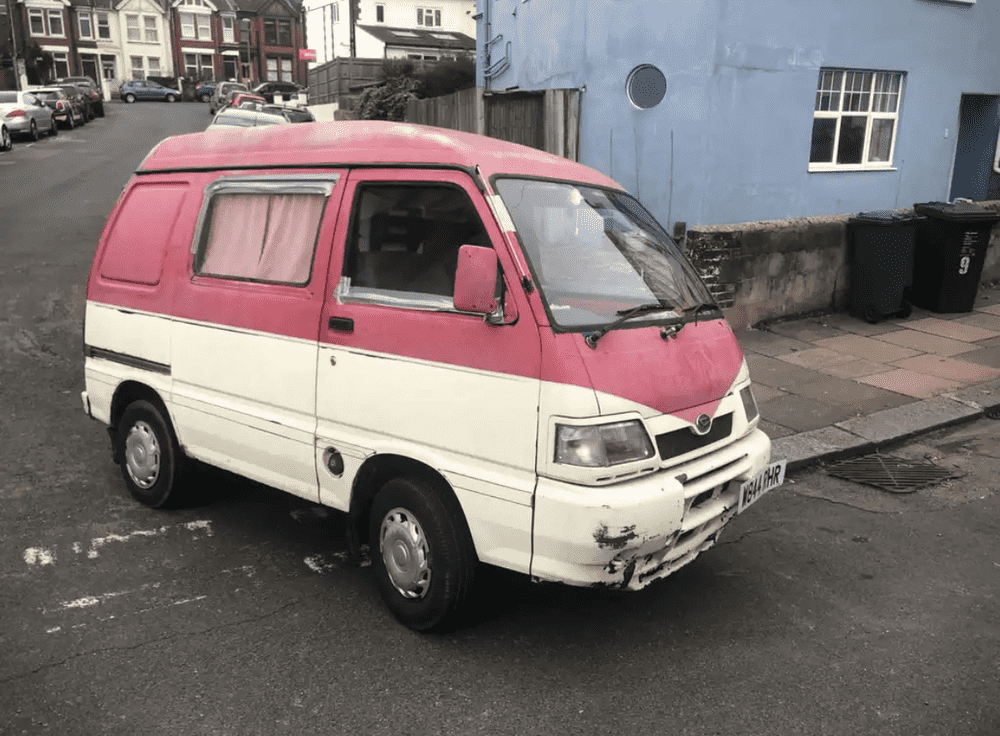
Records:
x=286, y=70
x=61, y=59
x=200, y=66
x=103, y=26
x=855, y=119
x=138, y=72
x=188, y=26
x=154, y=65
x=132, y=28
x=204, y=27
x=429, y=17
x=85, y=24
x=150, y=32
x=379, y=13
x=228, y=29
x=335, y=12
x=36, y=21
x=56, y=24
x=108, y=66
x=272, y=69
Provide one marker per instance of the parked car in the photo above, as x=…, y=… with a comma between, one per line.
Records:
x=138, y=89
x=221, y=92
x=245, y=118
x=81, y=101
x=285, y=90
x=5, y=141
x=291, y=113
x=93, y=91
x=203, y=92
x=66, y=111
x=24, y=114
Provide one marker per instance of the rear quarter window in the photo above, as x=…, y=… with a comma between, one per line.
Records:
x=137, y=243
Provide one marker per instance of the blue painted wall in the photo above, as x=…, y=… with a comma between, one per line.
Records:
x=730, y=141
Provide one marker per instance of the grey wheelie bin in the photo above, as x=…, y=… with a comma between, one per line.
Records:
x=881, y=250
x=952, y=240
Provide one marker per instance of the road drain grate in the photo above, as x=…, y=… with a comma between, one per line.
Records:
x=893, y=474
x=993, y=413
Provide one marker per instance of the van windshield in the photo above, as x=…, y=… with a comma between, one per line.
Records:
x=597, y=252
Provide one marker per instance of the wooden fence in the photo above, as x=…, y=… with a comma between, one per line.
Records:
x=548, y=119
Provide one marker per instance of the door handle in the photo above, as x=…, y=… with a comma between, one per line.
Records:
x=342, y=324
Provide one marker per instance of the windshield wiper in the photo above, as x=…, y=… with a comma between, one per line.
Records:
x=623, y=316
x=698, y=308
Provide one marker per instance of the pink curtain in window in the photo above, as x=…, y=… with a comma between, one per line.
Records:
x=292, y=226
x=236, y=237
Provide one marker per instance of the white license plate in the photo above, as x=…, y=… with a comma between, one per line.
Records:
x=771, y=477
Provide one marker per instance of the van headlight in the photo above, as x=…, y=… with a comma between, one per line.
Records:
x=602, y=445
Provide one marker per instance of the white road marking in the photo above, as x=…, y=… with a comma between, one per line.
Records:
x=97, y=542
x=39, y=556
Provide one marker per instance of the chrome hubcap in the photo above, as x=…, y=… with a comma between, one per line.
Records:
x=405, y=553
x=142, y=455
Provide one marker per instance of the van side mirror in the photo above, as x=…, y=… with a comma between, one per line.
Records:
x=476, y=280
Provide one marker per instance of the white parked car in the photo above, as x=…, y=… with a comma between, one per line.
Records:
x=24, y=114
x=245, y=117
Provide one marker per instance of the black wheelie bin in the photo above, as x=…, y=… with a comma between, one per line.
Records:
x=881, y=250
x=952, y=239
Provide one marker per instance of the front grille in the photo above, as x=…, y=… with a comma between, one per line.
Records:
x=681, y=441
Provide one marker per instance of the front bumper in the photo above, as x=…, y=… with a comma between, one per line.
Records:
x=629, y=534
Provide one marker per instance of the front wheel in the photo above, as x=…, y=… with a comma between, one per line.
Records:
x=170, y=98
x=151, y=459
x=130, y=98
x=422, y=553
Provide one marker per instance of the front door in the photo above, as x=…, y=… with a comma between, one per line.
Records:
x=976, y=147
x=402, y=372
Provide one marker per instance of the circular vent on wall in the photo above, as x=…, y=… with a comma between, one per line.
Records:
x=646, y=86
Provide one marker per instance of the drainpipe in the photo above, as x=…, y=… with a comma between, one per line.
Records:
x=488, y=4
x=13, y=50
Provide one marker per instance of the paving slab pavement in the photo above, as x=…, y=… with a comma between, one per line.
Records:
x=832, y=386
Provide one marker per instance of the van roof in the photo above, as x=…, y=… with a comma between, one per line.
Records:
x=361, y=143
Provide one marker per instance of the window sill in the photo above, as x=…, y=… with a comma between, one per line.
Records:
x=825, y=169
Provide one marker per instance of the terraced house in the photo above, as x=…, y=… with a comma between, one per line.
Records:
x=115, y=40
x=251, y=40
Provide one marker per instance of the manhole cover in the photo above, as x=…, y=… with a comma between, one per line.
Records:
x=894, y=474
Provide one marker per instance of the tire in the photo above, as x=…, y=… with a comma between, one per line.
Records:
x=422, y=553
x=33, y=130
x=205, y=98
x=152, y=462
x=100, y=110
x=5, y=141
x=905, y=310
x=130, y=98
x=70, y=120
x=53, y=128
x=170, y=98
x=872, y=314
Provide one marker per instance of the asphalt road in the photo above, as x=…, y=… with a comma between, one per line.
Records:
x=828, y=608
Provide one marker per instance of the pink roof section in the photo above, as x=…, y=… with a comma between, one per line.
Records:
x=366, y=142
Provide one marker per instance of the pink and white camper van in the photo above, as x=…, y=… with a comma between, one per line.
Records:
x=480, y=352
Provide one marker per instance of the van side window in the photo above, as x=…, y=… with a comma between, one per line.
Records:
x=404, y=243
x=260, y=231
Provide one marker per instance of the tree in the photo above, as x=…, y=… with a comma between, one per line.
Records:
x=388, y=100
x=445, y=77
x=38, y=64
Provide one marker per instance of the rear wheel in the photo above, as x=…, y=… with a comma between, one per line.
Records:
x=205, y=98
x=70, y=120
x=422, y=553
x=100, y=110
x=872, y=314
x=33, y=130
x=170, y=98
x=53, y=127
x=5, y=142
x=151, y=459
x=130, y=98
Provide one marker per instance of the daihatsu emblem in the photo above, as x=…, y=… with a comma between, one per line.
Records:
x=702, y=425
